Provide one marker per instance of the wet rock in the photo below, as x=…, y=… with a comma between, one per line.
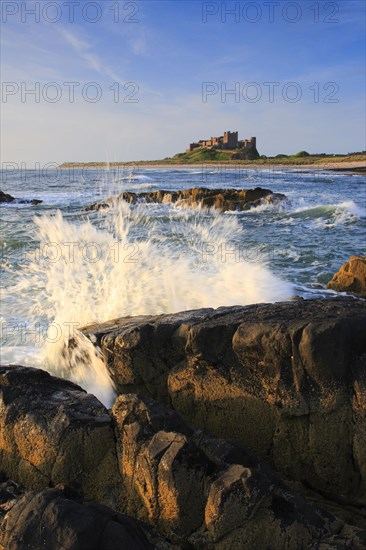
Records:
x=351, y=277
x=285, y=381
x=5, y=198
x=221, y=199
x=52, y=431
x=33, y=201
x=51, y=520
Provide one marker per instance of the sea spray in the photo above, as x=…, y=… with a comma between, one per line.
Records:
x=128, y=262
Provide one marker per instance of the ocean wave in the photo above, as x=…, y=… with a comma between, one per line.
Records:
x=348, y=208
x=345, y=213
x=322, y=215
x=51, y=198
x=137, y=268
x=137, y=177
x=276, y=206
x=137, y=187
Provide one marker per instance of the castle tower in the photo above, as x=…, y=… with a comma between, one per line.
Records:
x=230, y=140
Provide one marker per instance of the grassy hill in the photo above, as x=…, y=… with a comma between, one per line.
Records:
x=209, y=155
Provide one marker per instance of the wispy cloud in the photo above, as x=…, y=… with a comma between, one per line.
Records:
x=83, y=49
x=74, y=41
x=139, y=43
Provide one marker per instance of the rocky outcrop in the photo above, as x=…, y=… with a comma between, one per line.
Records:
x=284, y=381
x=221, y=199
x=6, y=198
x=51, y=431
x=56, y=519
x=196, y=490
x=351, y=277
x=209, y=493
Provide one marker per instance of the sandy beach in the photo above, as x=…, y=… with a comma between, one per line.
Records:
x=337, y=166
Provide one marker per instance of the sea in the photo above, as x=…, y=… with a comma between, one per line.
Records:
x=64, y=267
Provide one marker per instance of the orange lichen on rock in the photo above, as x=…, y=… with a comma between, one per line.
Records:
x=351, y=277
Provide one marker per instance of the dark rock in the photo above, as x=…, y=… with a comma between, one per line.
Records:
x=5, y=198
x=52, y=431
x=200, y=490
x=49, y=520
x=196, y=490
x=10, y=492
x=163, y=472
x=5, y=496
x=34, y=201
x=285, y=381
x=351, y=277
x=221, y=199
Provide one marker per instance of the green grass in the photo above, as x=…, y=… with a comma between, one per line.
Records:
x=203, y=156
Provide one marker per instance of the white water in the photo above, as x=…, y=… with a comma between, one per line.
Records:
x=127, y=264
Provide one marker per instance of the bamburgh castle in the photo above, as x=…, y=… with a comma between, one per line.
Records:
x=228, y=141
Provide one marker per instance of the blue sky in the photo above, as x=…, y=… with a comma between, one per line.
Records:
x=167, y=51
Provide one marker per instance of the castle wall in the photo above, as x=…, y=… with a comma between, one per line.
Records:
x=228, y=141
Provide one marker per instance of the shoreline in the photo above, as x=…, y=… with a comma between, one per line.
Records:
x=355, y=166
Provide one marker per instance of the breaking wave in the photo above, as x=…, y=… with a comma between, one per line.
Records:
x=126, y=262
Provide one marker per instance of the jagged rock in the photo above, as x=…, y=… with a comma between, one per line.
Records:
x=285, y=381
x=50, y=520
x=351, y=277
x=197, y=490
x=163, y=472
x=52, y=431
x=221, y=199
x=10, y=492
x=4, y=197
x=207, y=492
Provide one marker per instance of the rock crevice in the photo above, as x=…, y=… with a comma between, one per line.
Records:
x=285, y=381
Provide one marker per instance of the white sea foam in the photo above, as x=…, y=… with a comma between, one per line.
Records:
x=278, y=206
x=353, y=208
x=130, y=265
x=344, y=213
x=321, y=215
